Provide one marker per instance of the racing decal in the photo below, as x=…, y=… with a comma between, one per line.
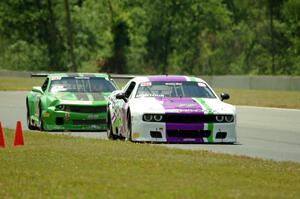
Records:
x=179, y=106
x=82, y=96
x=67, y=116
x=56, y=78
x=145, y=84
x=210, y=126
x=96, y=96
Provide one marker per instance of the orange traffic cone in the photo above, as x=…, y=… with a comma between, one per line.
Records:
x=2, y=143
x=18, y=135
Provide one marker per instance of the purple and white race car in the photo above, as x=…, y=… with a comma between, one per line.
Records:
x=173, y=109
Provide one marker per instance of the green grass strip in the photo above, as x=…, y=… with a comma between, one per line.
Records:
x=56, y=166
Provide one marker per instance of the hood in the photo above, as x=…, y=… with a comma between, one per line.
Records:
x=182, y=105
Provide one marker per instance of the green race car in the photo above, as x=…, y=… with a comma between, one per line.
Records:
x=70, y=102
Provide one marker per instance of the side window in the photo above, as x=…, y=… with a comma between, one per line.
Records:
x=45, y=84
x=129, y=89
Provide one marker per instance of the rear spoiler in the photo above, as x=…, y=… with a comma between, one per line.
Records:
x=39, y=74
x=120, y=76
x=111, y=76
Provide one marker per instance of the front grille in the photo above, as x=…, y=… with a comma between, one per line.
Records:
x=188, y=134
x=156, y=134
x=85, y=109
x=190, y=118
x=59, y=121
x=89, y=122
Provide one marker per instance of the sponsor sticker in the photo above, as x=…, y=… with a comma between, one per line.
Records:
x=46, y=114
x=173, y=84
x=135, y=135
x=82, y=77
x=146, y=84
x=185, y=105
x=189, y=139
x=67, y=116
x=185, y=111
x=56, y=78
x=200, y=84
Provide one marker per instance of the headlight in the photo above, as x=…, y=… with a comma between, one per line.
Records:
x=229, y=118
x=147, y=117
x=219, y=118
x=60, y=107
x=153, y=117
x=224, y=118
x=158, y=118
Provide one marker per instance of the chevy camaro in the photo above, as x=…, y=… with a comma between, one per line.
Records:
x=69, y=102
x=173, y=109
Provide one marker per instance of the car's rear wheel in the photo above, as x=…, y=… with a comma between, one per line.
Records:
x=41, y=123
x=109, y=130
x=30, y=127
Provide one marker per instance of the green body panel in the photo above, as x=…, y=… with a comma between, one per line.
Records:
x=48, y=102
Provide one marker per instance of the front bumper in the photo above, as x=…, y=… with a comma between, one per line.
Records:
x=182, y=132
x=61, y=120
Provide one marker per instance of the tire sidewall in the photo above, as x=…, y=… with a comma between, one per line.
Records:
x=129, y=126
x=41, y=123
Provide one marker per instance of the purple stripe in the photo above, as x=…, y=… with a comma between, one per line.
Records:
x=183, y=126
x=180, y=105
x=177, y=106
x=167, y=78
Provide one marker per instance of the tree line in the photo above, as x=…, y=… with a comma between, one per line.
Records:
x=200, y=37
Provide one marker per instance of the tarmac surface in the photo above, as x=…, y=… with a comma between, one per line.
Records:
x=268, y=133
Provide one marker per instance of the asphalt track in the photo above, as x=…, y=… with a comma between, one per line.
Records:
x=268, y=133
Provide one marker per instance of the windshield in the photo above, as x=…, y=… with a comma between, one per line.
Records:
x=174, y=89
x=81, y=84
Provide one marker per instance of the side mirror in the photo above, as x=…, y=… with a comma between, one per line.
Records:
x=37, y=89
x=224, y=96
x=121, y=96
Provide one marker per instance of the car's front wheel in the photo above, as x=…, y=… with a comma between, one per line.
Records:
x=41, y=123
x=30, y=127
x=110, y=134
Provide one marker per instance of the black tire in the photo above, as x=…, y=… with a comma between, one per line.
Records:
x=30, y=127
x=109, y=129
x=41, y=123
x=129, y=126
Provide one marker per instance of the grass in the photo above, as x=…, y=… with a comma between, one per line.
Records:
x=282, y=99
x=57, y=166
x=267, y=98
x=19, y=83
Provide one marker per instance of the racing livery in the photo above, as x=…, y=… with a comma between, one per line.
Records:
x=69, y=102
x=173, y=109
